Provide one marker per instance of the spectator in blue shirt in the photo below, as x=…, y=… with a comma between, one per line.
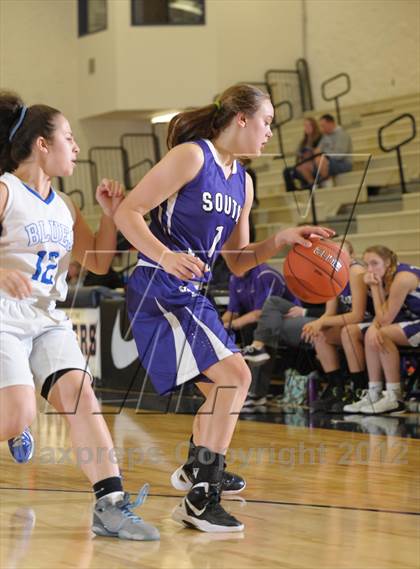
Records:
x=248, y=293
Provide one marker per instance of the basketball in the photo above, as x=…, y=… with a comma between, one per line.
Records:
x=318, y=273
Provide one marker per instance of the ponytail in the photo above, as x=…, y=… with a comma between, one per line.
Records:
x=20, y=126
x=209, y=121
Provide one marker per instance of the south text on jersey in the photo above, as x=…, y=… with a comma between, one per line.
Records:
x=221, y=202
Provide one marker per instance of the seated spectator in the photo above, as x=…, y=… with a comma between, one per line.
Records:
x=111, y=279
x=326, y=335
x=394, y=289
x=77, y=276
x=336, y=149
x=247, y=295
x=281, y=322
x=308, y=144
x=74, y=274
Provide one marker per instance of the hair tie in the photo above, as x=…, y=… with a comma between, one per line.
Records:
x=218, y=105
x=18, y=123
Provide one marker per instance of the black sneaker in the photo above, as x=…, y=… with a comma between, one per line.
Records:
x=329, y=397
x=201, y=510
x=182, y=479
x=348, y=398
x=254, y=401
x=255, y=355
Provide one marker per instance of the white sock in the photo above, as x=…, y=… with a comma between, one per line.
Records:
x=394, y=388
x=375, y=390
x=114, y=497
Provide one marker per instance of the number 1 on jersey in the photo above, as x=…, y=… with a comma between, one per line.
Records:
x=217, y=237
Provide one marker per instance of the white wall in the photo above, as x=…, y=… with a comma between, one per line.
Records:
x=377, y=42
x=140, y=68
x=37, y=51
x=253, y=36
x=162, y=67
x=97, y=92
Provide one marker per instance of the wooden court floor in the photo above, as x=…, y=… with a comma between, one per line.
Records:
x=315, y=498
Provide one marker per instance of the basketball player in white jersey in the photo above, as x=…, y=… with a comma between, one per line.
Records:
x=40, y=230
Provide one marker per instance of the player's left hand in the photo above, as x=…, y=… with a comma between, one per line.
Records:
x=109, y=195
x=311, y=330
x=301, y=235
x=371, y=279
x=375, y=340
x=295, y=312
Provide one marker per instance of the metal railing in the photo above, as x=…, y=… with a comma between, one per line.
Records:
x=337, y=95
x=304, y=84
x=112, y=162
x=278, y=124
x=292, y=85
x=397, y=147
x=83, y=183
x=143, y=152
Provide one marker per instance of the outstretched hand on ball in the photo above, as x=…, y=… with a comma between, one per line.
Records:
x=301, y=235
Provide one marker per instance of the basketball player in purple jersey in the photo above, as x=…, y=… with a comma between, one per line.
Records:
x=394, y=290
x=40, y=231
x=200, y=199
x=326, y=333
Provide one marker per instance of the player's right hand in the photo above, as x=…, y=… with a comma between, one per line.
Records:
x=301, y=235
x=15, y=283
x=311, y=330
x=182, y=265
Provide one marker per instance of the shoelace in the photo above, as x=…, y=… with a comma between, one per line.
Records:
x=216, y=507
x=129, y=506
x=18, y=441
x=365, y=395
x=215, y=494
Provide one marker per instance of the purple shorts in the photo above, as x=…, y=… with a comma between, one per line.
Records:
x=411, y=329
x=177, y=330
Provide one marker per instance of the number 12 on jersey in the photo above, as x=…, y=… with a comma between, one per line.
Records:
x=46, y=265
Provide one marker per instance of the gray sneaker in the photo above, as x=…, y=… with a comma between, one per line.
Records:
x=118, y=520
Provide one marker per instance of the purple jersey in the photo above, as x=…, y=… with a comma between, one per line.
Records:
x=249, y=292
x=200, y=217
x=177, y=330
x=411, y=306
x=345, y=302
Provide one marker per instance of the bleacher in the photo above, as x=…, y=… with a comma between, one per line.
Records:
x=382, y=215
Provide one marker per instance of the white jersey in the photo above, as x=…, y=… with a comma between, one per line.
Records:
x=37, y=238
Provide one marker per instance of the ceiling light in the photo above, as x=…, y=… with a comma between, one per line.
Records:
x=163, y=118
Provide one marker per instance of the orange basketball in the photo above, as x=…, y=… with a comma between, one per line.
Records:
x=318, y=273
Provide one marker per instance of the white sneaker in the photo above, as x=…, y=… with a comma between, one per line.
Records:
x=387, y=404
x=254, y=401
x=357, y=406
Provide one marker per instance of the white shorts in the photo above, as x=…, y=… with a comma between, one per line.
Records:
x=35, y=344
